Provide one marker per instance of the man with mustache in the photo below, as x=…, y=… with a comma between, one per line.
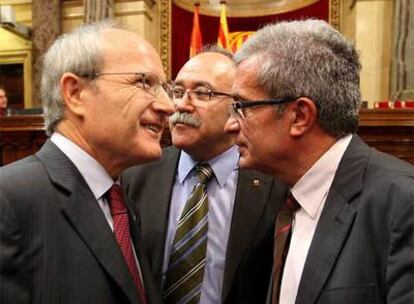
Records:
x=218, y=250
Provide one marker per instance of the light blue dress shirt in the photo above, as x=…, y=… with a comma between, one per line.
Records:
x=221, y=192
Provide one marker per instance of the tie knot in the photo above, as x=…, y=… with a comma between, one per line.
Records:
x=116, y=200
x=291, y=203
x=204, y=173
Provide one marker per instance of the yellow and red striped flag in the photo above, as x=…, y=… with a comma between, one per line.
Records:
x=236, y=39
x=223, y=34
x=196, y=43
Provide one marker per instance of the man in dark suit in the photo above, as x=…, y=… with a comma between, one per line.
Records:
x=66, y=234
x=241, y=203
x=295, y=116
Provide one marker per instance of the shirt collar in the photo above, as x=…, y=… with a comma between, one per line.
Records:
x=312, y=188
x=96, y=177
x=223, y=165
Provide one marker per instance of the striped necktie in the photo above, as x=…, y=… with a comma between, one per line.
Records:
x=188, y=253
x=283, y=232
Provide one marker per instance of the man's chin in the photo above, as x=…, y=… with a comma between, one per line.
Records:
x=184, y=141
x=245, y=163
x=149, y=155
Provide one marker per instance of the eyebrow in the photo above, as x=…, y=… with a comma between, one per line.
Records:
x=240, y=97
x=153, y=75
x=195, y=84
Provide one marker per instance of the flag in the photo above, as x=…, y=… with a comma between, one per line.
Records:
x=236, y=39
x=223, y=34
x=196, y=43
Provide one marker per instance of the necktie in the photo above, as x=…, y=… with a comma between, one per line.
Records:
x=121, y=229
x=188, y=252
x=283, y=231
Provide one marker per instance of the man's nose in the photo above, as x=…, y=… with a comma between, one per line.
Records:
x=163, y=103
x=232, y=125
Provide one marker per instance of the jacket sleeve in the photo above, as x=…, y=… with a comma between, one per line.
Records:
x=400, y=265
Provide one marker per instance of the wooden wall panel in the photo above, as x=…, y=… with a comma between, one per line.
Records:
x=20, y=136
x=391, y=131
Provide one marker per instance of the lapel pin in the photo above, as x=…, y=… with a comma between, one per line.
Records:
x=256, y=183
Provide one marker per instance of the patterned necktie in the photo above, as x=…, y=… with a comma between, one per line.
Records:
x=188, y=252
x=123, y=237
x=282, y=239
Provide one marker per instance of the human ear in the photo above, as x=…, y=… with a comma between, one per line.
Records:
x=71, y=89
x=304, y=116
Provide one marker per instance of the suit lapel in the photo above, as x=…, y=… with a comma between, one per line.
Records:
x=253, y=189
x=156, y=206
x=330, y=235
x=334, y=224
x=86, y=217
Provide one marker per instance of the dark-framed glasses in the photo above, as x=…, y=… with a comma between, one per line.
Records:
x=238, y=107
x=146, y=81
x=203, y=95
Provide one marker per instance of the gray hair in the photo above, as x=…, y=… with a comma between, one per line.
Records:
x=309, y=58
x=79, y=52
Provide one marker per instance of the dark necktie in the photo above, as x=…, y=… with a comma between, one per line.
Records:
x=188, y=252
x=283, y=231
x=123, y=237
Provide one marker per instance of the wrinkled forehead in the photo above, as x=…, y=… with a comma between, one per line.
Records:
x=125, y=51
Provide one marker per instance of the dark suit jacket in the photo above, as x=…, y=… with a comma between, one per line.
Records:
x=55, y=243
x=363, y=247
x=250, y=246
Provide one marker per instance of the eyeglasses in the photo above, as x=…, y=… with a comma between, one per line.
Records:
x=146, y=81
x=238, y=107
x=203, y=95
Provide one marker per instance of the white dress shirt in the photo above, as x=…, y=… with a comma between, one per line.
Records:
x=221, y=191
x=310, y=192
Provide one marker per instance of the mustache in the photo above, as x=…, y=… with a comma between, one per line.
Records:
x=184, y=118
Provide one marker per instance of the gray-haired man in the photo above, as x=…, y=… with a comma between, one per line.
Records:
x=295, y=117
x=66, y=233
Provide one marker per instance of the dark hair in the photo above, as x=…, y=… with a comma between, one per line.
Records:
x=214, y=48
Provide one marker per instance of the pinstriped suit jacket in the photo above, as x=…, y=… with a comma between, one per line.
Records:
x=55, y=243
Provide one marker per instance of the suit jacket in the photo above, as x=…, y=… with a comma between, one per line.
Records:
x=250, y=248
x=55, y=243
x=363, y=247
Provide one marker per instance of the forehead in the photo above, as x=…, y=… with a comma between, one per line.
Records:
x=209, y=68
x=245, y=84
x=125, y=51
